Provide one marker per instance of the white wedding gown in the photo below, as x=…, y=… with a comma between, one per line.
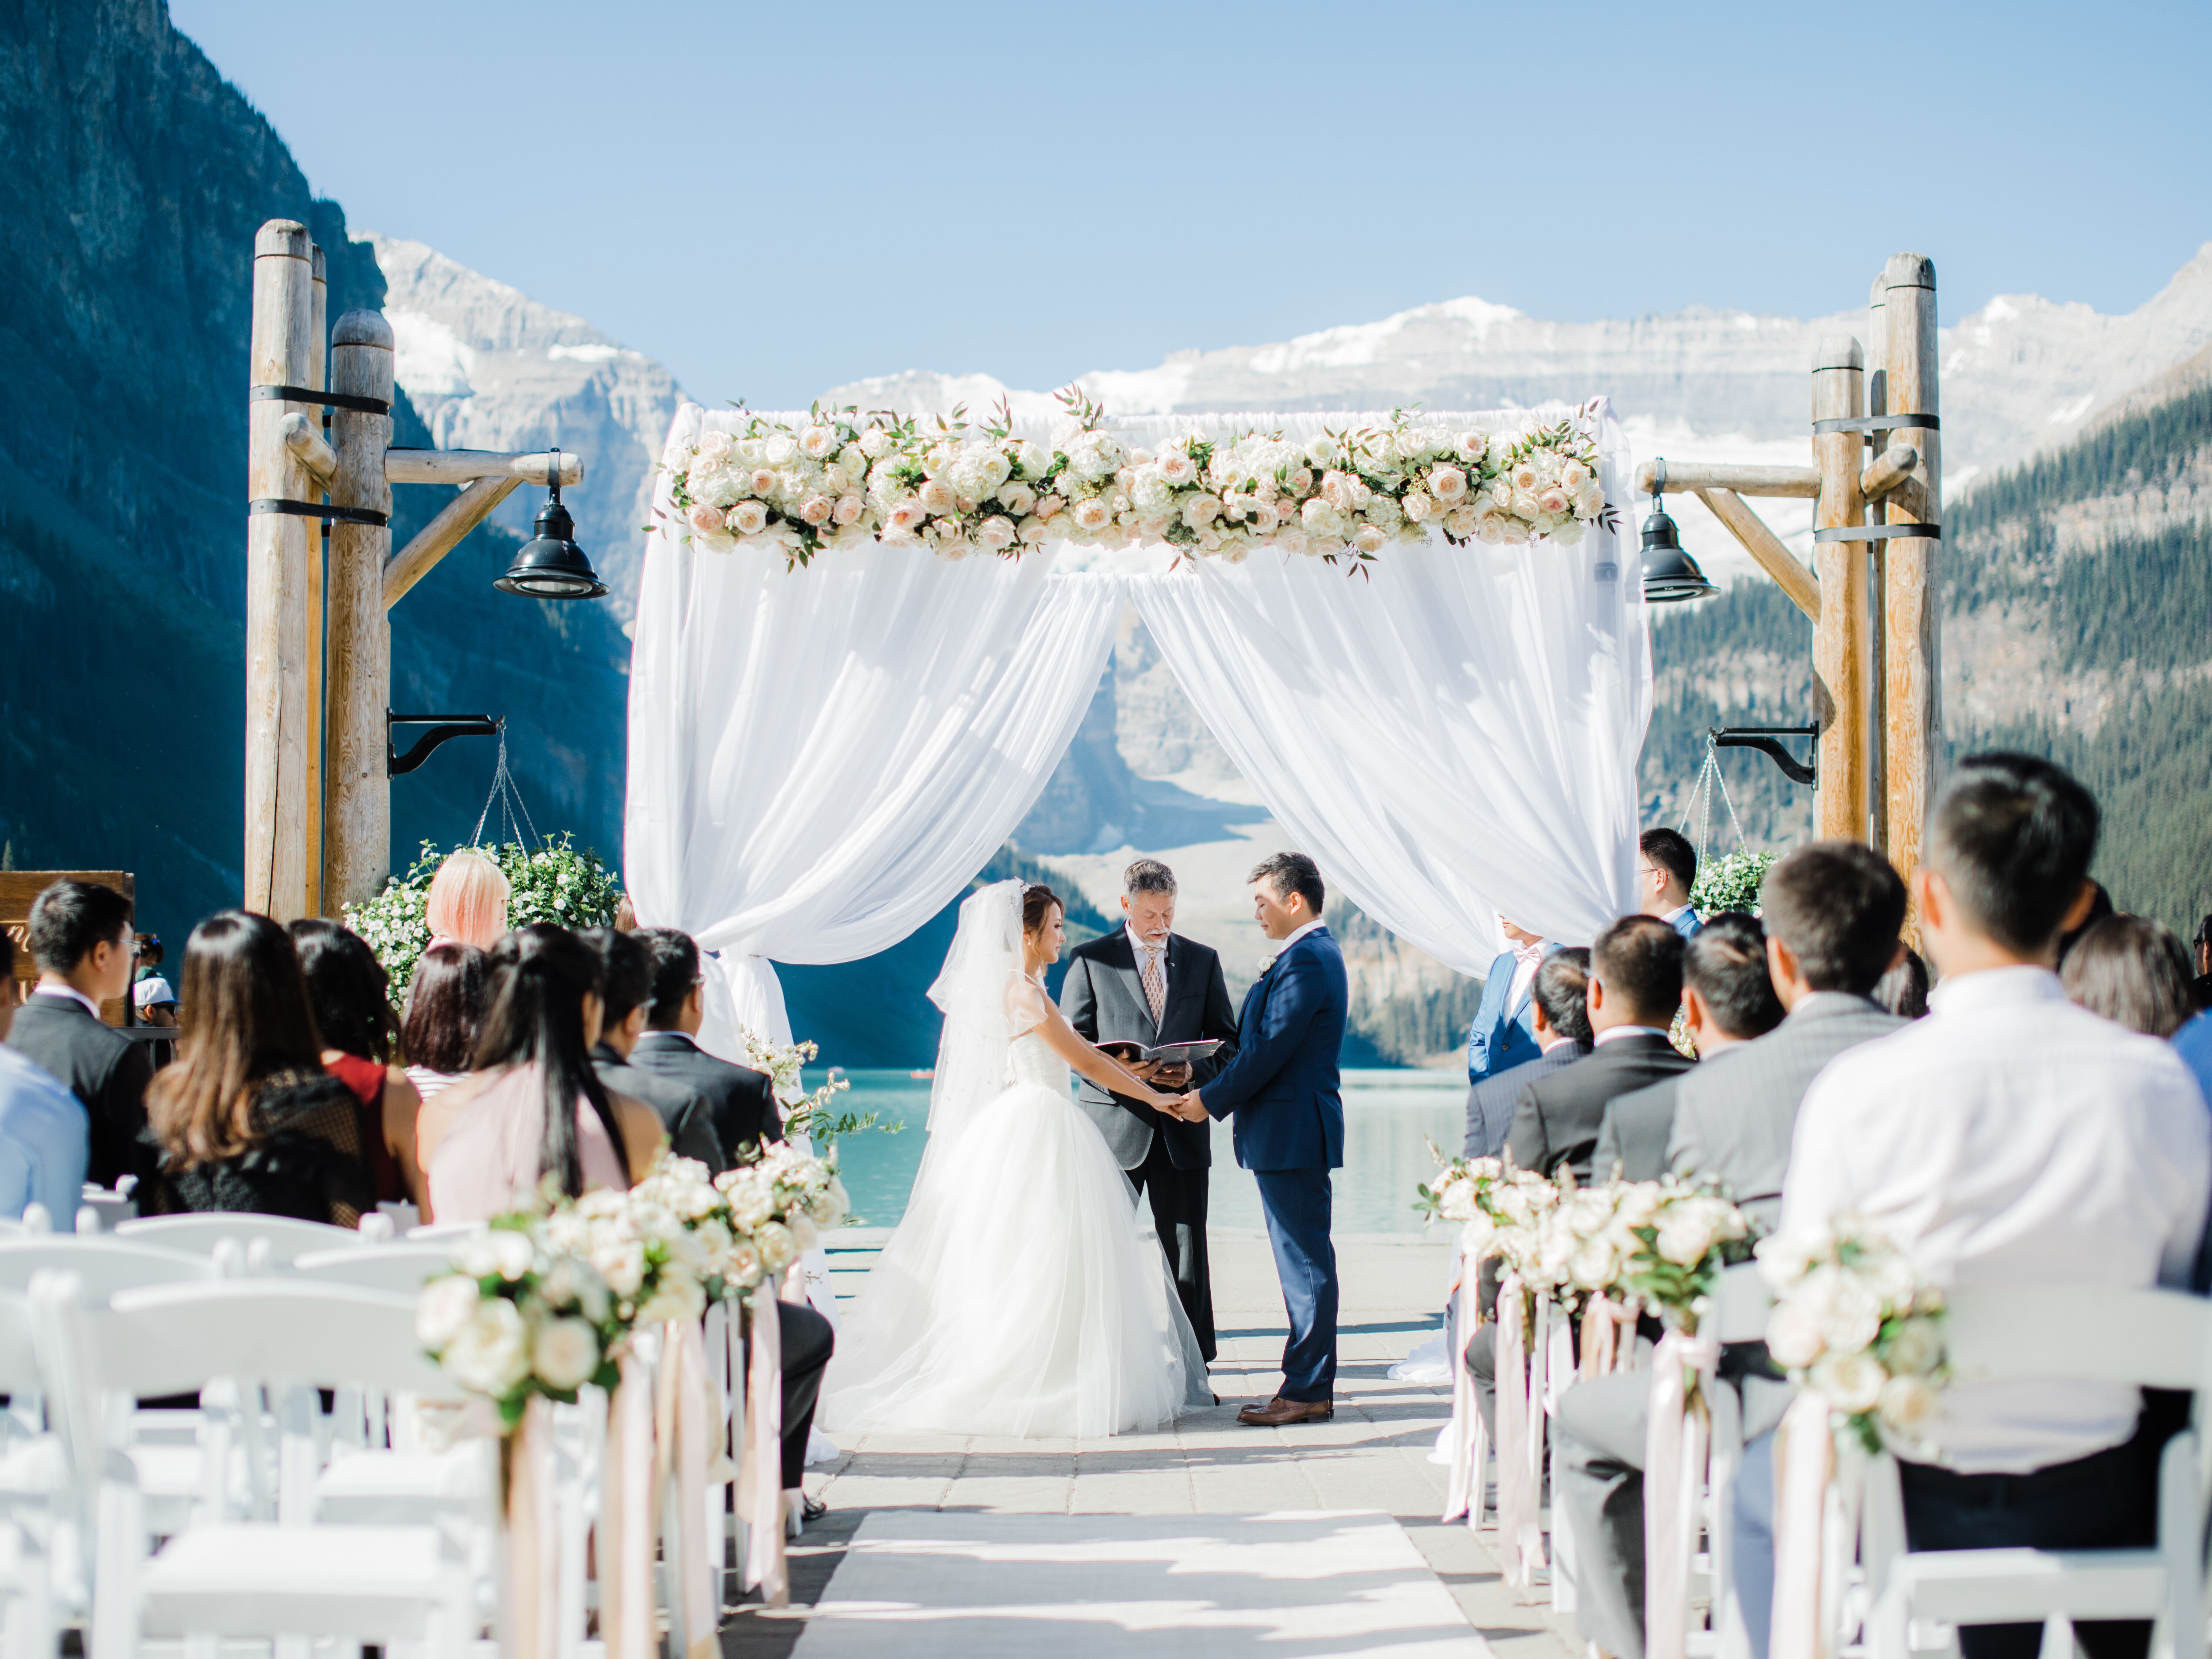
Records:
x=1018, y=1296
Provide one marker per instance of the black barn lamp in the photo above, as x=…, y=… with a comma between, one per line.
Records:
x=1669, y=574
x=550, y=565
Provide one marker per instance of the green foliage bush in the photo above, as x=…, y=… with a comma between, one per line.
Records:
x=552, y=882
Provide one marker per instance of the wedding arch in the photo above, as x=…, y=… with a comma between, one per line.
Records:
x=857, y=659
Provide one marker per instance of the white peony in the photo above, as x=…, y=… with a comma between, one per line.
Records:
x=446, y=1304
x=778, y=1248
x=566, y=1355
x=1852, y=1382
x=747, y=518
x=1793, y=1335
x=1906, y=1402
x=490, y=1354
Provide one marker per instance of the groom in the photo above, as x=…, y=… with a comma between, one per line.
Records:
x=1282, y=1089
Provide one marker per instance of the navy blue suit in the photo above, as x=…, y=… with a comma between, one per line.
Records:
x=1283, y=1095
x=1689, y=924
x=1502, y=1037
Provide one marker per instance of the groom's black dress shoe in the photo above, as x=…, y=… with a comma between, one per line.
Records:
x=1279, y=1412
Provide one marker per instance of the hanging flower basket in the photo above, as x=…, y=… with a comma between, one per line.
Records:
x=551, y=882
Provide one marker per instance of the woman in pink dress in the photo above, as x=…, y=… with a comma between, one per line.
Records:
x=533, y=1107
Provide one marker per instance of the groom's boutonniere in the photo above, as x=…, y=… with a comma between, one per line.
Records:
x=1267, y=965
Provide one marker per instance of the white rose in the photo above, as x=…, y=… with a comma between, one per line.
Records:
x=1852, y=1318
x=1463, y=521
x=1091, y=515
x=570, y=1283
x=816, y=442
x=1035, y=459
x=1321, y=449
x=848, y=509
x=1448, y=484
x=446, y=1304
x=778, y=447
x=1526, y=476
x=778, y=1248
x=705, y=520
x=1016, y=498
x=747, y=518
x=620, y=1262
x=1573, y=476
x=1200, y=509
x=1793, y=1335
x=1852, y=1382
x=1322, y=518
x=490, y=1354
x=677, y=1298
x=1418, y=506
x=714, y=445
x=905, y=516
x=1596, y=1265
x=1552, y=502
x=817, y=509
x=937, y=496
x=875, y=443
x=995, y=533
x=1906, y=1402
x=1685, y=1235
x=1369, y=539
x=1590, y=501
x=741, y=1266
x=1471, y=446
x=567, y=1354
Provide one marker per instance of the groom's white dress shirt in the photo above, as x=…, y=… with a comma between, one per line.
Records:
x=2013, y=1139
x=1300, y=934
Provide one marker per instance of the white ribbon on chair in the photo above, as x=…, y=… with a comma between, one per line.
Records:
x=684, y=1466
x=1804, y=1461
x=760, y=1469
x=532, y=1620
x=1468, y=1443
x=1519, y=1394
x=1675, y=1445
x=627, y=1530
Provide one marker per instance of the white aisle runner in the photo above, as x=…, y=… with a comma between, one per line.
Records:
x=919, y=1584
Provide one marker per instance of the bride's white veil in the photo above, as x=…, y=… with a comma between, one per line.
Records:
x=971, y=989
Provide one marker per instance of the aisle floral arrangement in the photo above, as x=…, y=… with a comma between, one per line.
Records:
x=840, y=479
x=1854, y=1322
x=542, y=1300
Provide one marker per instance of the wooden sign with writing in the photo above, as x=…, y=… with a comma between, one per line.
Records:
x=19, y=888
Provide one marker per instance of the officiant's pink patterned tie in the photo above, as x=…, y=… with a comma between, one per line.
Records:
x=1156, y=985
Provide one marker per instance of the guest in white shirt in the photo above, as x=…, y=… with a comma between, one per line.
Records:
x=2011, y=1138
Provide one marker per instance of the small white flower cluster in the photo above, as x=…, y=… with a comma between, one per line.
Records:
x=517, y=1316
x=1731, y=883
x=1853, y=1321
x=954, y=489
x=1656, y=1243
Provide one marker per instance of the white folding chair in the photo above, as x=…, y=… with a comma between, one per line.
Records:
x=273, y=1240
x=397, y=1269
x=40, y=1548
x=2155, y=1338
x=1739, y=1313
x=288, y=1584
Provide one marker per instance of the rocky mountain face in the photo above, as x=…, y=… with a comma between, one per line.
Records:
x=137, y=179
x=488, y=368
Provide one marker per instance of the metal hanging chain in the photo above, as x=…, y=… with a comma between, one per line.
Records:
x=514, y=815
x=1701, y=802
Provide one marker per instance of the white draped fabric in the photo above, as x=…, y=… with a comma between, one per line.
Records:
x=821, y=760
x=1453, y=736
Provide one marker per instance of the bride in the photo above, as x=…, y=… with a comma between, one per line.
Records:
x=1018, y=1297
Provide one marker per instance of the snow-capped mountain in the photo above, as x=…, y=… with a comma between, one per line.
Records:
x=488, y=367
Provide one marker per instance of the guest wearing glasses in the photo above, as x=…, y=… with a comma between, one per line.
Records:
x=1666, y=869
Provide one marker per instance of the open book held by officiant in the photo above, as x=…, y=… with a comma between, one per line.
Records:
x=1168, y=1054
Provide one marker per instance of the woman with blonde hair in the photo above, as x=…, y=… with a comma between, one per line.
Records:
x=468, y=901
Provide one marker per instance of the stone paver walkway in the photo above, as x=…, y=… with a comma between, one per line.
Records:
x=1373, y=1456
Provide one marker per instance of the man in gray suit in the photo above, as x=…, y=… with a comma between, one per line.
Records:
x=1146, y=983
x=1727, y=1001
x=1833, y=913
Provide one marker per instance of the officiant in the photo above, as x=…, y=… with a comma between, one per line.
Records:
x=1146, y=984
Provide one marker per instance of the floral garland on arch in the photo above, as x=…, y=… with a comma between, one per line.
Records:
x=842, y=479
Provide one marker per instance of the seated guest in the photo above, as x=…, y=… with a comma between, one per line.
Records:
x=1635, y=985
x=682, y=1109
x=2011, y=1141
x=246, y=1119
x=444, y=1007
x=1562, y=1009
x=2100, y=906
x=2132, y=970
x=1902, y=990
x=806, y=1339
x=1728, y=999
x=467, y=901
x=351, y=997
x=45, y=1135
x=2200, y=945
x=81, y=938
x=1504, y=1033
x=533, y=1107
x=1666, y=869
x=1833, y=912
x=740, y=1100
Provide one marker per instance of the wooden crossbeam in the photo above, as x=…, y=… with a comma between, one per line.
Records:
x=1689, y=476
x=460, y=467
x=461, y=515
x=1789, y=572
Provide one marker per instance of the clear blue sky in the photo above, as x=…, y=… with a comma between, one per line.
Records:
x=772, y=200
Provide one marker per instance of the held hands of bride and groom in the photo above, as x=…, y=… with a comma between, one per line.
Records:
x=1042, y=945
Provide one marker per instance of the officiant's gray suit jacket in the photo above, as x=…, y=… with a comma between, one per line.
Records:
x=1104, y=998
x=1735, y=1121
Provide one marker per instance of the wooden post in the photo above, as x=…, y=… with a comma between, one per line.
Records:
x=276, y=580
x=1877, y=565
x=1912, y=599
x=1840, y=802
x=318, y=360
x=357, y=808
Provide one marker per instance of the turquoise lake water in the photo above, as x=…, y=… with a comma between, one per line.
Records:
x=1390, y=1118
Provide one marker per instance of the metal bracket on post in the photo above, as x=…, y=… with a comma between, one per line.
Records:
x=1767, y=740
x=443, y=729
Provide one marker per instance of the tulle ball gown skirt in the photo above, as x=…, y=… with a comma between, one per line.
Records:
x=1018, y=1297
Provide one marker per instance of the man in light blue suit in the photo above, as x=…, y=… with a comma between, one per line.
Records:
x=1666, y=869
x=1282, y=1093
x=1503, y=1034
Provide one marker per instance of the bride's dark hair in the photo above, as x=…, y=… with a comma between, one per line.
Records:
x=1037, y=902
